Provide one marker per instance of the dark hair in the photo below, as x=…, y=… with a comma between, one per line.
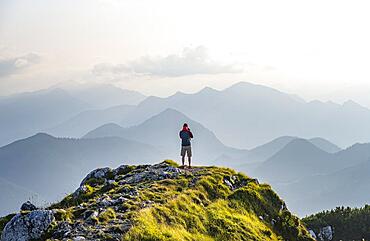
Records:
x=185, y=125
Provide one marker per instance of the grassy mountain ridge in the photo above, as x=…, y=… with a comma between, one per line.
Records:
x=165, y=202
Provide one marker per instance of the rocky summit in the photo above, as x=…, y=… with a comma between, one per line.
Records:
x=160, y=202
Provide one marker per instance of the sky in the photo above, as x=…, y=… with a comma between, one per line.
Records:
x=316, y=49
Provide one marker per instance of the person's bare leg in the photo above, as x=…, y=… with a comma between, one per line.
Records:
x=189, y=159
x=183, y=160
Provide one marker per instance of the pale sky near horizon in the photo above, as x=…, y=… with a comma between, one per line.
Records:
x=316, y=49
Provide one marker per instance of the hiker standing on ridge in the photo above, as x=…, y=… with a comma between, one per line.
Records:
x=186, y=135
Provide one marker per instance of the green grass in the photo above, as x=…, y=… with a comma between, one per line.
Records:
x=211, y=211
x=107, y=215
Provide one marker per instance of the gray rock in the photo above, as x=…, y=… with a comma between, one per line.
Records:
x=126, y=225
x=105, y=203
x=28, y=206
x=153, y=173
x=326, y=233
x=62, y=230
x=233, y=182
x=93, y=217
x=129, y=192
x=81, y=190
x=312, y=233
x=146, y=204
x=229, y=184
x=100, y=173
x=193, y=181
x=79, y=238
x=27, y=227
x=122, y=170
x=273, y=221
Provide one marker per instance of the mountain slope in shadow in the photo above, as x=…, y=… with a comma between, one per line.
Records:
x=53, y=166
x=85, y=121
x=162, y=131
x=24, y=114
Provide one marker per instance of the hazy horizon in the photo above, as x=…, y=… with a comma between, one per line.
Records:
x=317, y=50
x=74, y=85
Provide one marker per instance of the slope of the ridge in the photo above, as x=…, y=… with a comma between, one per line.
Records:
x=325, y=145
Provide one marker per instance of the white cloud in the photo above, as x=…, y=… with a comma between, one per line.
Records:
x=13, y=65
x=192, y=61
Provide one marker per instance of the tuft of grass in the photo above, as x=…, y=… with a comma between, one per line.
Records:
x=171, y=163
x=107, y=215
x=63, y=215
x=70, y=200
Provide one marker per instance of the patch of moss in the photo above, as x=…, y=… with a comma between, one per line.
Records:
x=93, y=182
x=63, y=215
x=107, y=215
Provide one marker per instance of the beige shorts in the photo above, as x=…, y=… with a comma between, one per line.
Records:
x=186, y=150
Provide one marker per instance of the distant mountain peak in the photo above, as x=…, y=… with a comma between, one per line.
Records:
x=166, y=116
x=207, y=89
x=302, y=146
x=112, y=125
x=316, y=102
x=285, y=138
x=241, y=84
x=353, y=105
x=300, y=142
x=261, y=92
x=350, y=102
x=106, y=128
x=170, y=111
x=325, y=145
x=179, y=93
x=43, y=135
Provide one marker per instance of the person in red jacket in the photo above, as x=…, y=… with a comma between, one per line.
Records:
x=185, y=136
